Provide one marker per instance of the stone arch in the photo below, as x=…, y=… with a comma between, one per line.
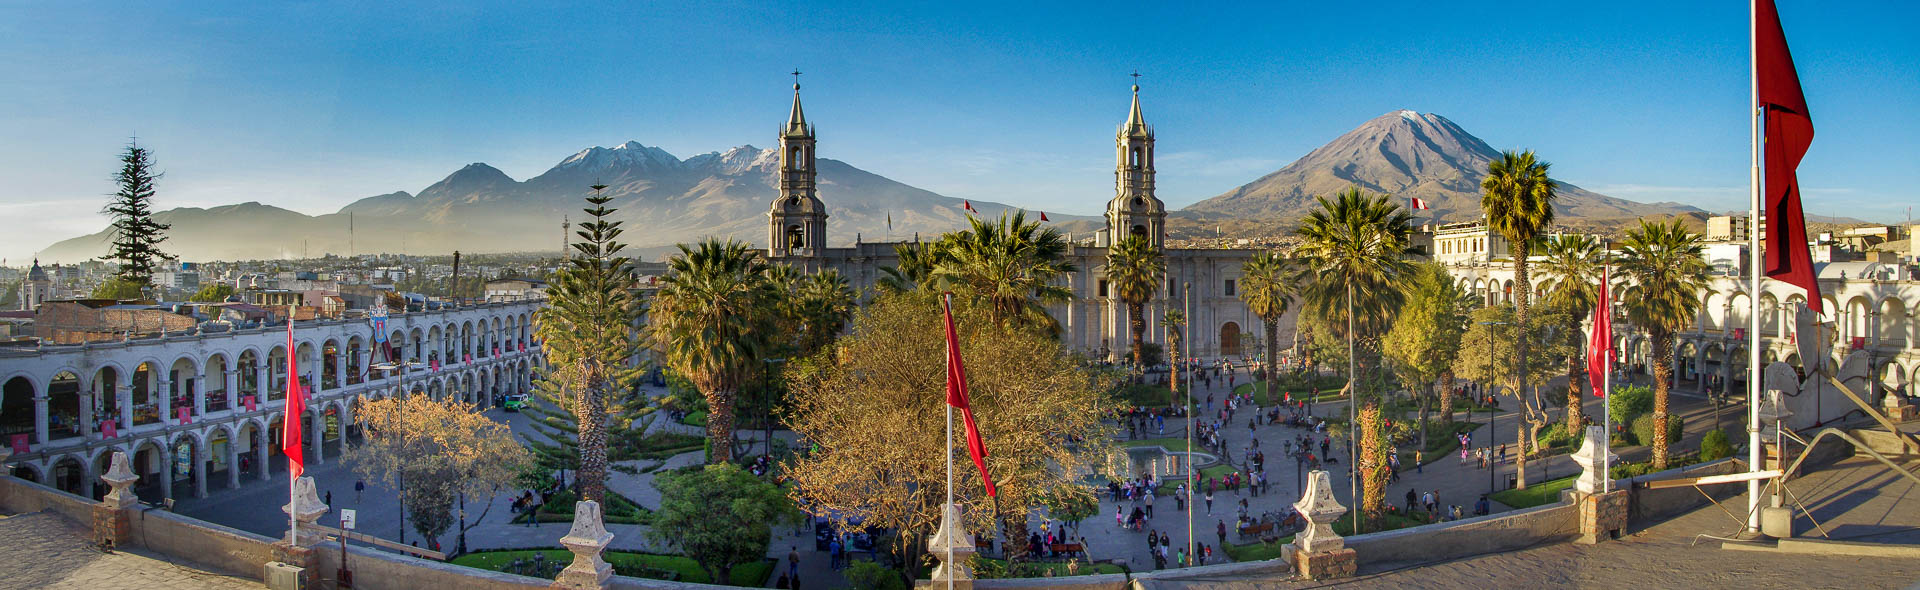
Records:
x=1859, y=322
x=186, y=447
x=356, y=359
x=1707, y=318
x=1893, y=378
x=1769, y=315
x=1894, y=323
x=28, y=471
x=214, y=384
x=183, y=384
x=144, y=393
x=17, y=410
x=1739, y=311
x=64, y=405
x=69, y=474
x=1687, y=355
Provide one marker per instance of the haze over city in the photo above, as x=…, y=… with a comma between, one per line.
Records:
x=312, y=106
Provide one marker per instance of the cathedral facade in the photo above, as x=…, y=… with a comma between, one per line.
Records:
x=1095, y=320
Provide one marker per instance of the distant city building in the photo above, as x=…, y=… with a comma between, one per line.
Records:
x=1728, y=228
x=513, y=289
x=1094, y=320
x=36, y=289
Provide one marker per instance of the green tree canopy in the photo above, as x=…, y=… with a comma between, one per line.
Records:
x=714, y=320
x=212, y=293
x=719, y=516
x=136, y=234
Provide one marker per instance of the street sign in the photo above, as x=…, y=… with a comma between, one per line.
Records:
x=346, y=518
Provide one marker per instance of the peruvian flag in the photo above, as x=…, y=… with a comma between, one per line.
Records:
x=1419, y=203
x=968, y=205
x=1043, y=217
x=957, y=397
x=1600, y=347
x=1789, y=131
x=296, y=403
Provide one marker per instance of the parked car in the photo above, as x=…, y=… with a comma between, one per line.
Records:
x=514, y=402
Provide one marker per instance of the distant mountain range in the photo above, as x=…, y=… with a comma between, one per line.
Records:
x=666, y=200
x=1405, y=154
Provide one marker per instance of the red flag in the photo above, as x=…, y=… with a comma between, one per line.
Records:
x=296, y=404
x=957, y=397
x=1789, y=130
x=1043, y=216
x=968, y=205
x=1419, y=203
x=1599, y=348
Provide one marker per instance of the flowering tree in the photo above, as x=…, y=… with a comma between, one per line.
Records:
x=436, y=452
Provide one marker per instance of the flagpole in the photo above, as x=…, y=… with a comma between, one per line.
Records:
x=1186, y=294
x=948, y=302
x=1754, y=222
x=1606, y=380
x=288, y=416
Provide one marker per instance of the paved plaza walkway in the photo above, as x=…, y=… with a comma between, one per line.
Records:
x=46, y=550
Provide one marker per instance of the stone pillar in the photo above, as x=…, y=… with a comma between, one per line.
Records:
x=110, y=523
x=200, y=451
x=297, y=550
x=1603, y=512
x=318, y=430
x=232, y=379
x=260, y=456
x=586, y=540
x=199, y=396
x=952, y=539
x=40, y=434
x=166, y=469
x=233, y=462
x=1318, y=553
x=123, y=393
x=163, y=388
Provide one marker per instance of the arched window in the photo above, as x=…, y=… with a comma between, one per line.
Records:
x=796, y=237
x=1230, y=339
x=1139, y=230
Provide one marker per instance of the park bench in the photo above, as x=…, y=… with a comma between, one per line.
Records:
x=1255, y=530
x=1067, y=550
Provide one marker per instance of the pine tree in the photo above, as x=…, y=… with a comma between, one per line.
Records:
x=136, y=236
x=558, y=446
x=590, y=334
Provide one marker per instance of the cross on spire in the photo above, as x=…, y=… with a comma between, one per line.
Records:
x=796, y=78
x=1136, y=80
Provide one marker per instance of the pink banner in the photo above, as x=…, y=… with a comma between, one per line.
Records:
x=109, y=430
x=19, y=444
x=248, y=401
x=184, y=414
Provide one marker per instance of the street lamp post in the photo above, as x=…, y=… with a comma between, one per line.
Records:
x=1493, y=433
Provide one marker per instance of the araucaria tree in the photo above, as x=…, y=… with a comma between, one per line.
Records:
x=1519, y=204
x=876, y=412
x=1134, y=271
x=1267, y=287
x=719, y=516
x=443, y=451
x=1661, y=276
x=588, y=331
x=1574, y=262
x=1426, y=337
x=714, y=320
x=136, y=235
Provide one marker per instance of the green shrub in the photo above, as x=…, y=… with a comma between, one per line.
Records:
x=1643, y=429
x=1629, y=402
x=1715, y=445
x=867, y=575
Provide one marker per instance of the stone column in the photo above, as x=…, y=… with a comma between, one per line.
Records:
x=319, y=436
x=1603, y=512
x=123, y=393
x=163, y=388
x=586, y=540
x=297, y=550
x=954, y=548
x=260, y=456
x=233, y=463
x=40, y=434
x=1318, y=553
x=199, y=397
x=231, y=376
x=110, y=522
x=166, y=469
x=200, y=452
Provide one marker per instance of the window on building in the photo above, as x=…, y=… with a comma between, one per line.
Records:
x=1228, y=290
x=1103, y=287
x=1173, y=289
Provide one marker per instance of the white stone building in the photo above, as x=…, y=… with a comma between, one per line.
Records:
x=205, y=409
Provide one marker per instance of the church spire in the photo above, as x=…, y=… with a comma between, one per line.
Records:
x=1136, y=123
x=796, y=121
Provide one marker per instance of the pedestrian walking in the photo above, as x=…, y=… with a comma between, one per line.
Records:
x=1209, y=500
x=793, y=562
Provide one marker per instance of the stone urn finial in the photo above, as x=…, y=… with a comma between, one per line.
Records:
x=1320, y=509
x=120, y=476
x=306, y=507
x=586, y=540
x=952, y=539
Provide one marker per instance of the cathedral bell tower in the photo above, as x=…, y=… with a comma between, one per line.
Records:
x=797, y=221
x=1134, y=210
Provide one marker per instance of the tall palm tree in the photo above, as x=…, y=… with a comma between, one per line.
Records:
x=712, y=320
x=1661, y=275
x=1519, y=204
x=1134, y=271
x=1574, y=262
x=1174, y=320
x=1011, y=264
x=1267, y=287
x=826, y=305
x=913, y=271
x=1356, y=247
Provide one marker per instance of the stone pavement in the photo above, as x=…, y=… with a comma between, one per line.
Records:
x=1856, y=499
x=46, y=550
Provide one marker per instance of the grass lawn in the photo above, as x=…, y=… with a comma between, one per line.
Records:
x=1258, y=551
x=695, y=418
x=1168, y=483
x=662, y=445
x=619, y=509
x=1539, y=494
x=1264, y=399
x=1441, y=442
x=646, y=565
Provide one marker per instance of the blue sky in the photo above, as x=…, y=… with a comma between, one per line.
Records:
x=309, y=106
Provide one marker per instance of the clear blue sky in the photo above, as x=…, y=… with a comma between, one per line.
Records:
x=312, y=105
